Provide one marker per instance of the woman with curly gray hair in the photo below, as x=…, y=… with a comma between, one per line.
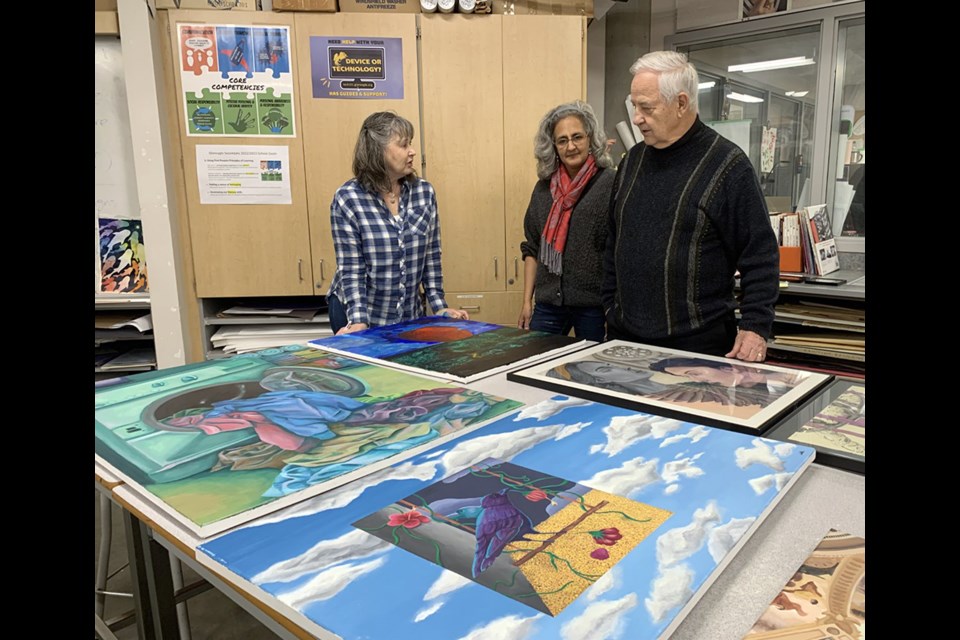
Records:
x=565, y=225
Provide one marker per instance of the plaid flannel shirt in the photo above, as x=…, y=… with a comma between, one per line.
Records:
x=383, y=259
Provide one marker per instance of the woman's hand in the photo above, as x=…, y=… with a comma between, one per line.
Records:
x=456, y=314
x=525, y=314
x=350, y=328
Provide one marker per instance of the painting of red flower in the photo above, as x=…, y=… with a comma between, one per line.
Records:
x=409, y=519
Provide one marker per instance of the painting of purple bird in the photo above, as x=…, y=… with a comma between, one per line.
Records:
x=498, y=524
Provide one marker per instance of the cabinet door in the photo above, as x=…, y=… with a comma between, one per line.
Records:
x=548, y=53
x=331, y=126
x=462, y=85
x=498, y=307
x=245, y=249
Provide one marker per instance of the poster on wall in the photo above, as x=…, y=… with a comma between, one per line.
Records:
x=237, y=174
x=236, y=80
x=356, y=68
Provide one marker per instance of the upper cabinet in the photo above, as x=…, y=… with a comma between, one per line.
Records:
x=482, y=81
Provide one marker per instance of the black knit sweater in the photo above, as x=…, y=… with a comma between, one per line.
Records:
x=579, y=286
x=683, y=220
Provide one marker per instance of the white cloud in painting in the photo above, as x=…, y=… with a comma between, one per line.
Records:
x=346, y=494
x=763, y=483
x=503, y=446
x=549, y=408
x=685, y=468
x=671, y=489
x=602, y=620
x=784, y=449
x=725, y=536
x=626, y=480
x=624, y=431
x=329, y=583
x=696, y=434
x=607, y=582
x=513, y=627
x=354, y=545
x=426, y=612
x=682, y=542
x=670, y=589
x=759, y=453
x=571, y=429
x=448, y=582
x=434, y=454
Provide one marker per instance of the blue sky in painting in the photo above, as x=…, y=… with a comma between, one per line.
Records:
x=716, y=483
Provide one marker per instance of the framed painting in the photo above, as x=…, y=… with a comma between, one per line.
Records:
x=834, y=422
x=568, y=519
x=222, y=442
x=720, y=392
x=825, y=598
x=454, y=350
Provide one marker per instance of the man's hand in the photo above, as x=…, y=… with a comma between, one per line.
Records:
x=749, y=346
x=350, y=328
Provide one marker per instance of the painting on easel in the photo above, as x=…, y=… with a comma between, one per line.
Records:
x=531, y=536
x=221, y=442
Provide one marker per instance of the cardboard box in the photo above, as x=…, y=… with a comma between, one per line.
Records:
x=380, y=6
x=329, y=6
x=236, y=5
x=544, y=7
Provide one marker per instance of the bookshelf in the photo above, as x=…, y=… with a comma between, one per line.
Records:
x=822, y=327
x=125, y=349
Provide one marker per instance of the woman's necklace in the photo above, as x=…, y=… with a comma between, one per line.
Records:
x=392, y=197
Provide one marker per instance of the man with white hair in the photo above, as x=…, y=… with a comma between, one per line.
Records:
x=686, y=214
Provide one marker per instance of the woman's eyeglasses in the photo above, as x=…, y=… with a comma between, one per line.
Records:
x=577, y=139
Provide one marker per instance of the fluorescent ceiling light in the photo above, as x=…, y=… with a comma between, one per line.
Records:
x=767, y=65
x=739, y=97
x=706, y=85
x=797, y=94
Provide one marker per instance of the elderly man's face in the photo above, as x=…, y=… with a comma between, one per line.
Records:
x=659, y=122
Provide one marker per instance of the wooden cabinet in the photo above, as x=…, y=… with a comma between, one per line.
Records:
x=482, y=83
x=481, y=113
x=246, y=250
x=330, y=127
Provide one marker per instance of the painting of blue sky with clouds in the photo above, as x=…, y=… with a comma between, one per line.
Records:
x=313, y=566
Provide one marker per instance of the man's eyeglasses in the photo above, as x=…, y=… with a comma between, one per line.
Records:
x=577, y=139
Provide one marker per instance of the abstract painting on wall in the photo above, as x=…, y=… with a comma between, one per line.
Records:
x=455, y=350
x=720, y=392
x=123, y=266
x=529, y=535
x=825, y=598
x=221, y=442
x=399, y=541
x=835, y=424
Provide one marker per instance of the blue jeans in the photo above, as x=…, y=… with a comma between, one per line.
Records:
x=337, y=313
x=587, y=322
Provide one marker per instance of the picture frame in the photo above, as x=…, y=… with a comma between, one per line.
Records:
x=833, y=423
x=748, y=397
x=750, y=9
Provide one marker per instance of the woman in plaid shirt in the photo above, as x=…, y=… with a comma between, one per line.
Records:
x=386, y=234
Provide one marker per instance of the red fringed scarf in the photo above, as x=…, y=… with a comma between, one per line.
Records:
x=566, y=193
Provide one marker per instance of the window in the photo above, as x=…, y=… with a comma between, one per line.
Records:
x=789, y=89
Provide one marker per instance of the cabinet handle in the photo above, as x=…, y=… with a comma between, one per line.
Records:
x=300, y=268
x=496, y=268
x=516, y=267
x=469, y=307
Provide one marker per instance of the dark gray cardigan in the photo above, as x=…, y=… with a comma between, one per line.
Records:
x=580, y=284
